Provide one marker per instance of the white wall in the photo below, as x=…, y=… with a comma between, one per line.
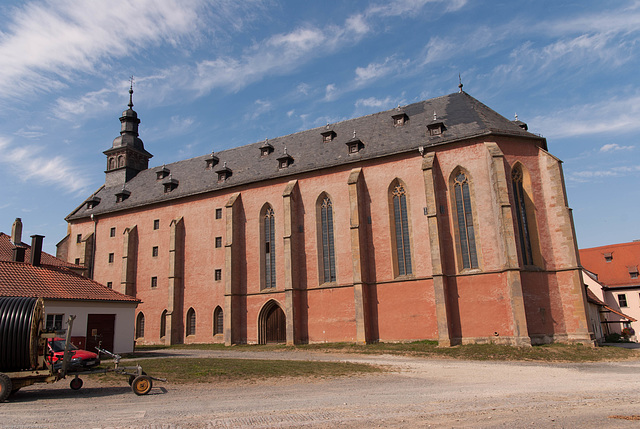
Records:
x=124, y=324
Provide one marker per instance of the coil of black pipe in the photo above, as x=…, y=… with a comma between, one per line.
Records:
x=20, y=324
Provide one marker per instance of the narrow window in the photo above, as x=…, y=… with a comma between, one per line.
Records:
x=140, y=325
x=111, y=258
x=156, y=224
x=328, y=250
x=466, y=234
x=154, y=251
x=401, y=224
x=218, y=242
x=79, y=238
x=217, y=275
x=154, y=282
x=191, y=322
x=218, y=321
x=218, y=213
x=163, y=324
x=521, y=215
x=77, y=261
x=269, y=241
x=110, y=285
x=112, y=232
x=622, y=300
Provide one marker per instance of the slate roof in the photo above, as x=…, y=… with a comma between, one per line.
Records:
x=6, y=254
x=53, y=282
x=463, y=116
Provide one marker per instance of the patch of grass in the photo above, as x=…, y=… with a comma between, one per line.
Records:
x=207, y=370
x=430, y=349
x=545, y=353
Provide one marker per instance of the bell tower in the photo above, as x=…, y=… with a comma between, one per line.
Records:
x=127, y=156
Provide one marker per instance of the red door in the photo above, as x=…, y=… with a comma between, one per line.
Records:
x=100, y=328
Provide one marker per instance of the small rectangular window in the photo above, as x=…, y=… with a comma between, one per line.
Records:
x=54, y=322
x=154, y=282
x=156, y=224
x=218, y=275
x=218, y=242
x=79, y=238
x=608, y=257
x=77, y=261
x=154, y=251
x=112, y=232
x=111, y=258
x=110, y=285
x=622, y=300
x=218, y=213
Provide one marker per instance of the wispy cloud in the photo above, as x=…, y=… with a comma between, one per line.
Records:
x=584, y=176
x=47, y=43
x=614, y=115
x=408, y=7
x=260, y=108
x=276, y=55
x=56, y=170
x=375, y=71
x=614, y=147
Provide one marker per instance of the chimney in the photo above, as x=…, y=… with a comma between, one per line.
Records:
x=36, y=249
x=18, y=254
x=16, y=231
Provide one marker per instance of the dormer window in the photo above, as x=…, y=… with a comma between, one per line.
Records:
x=224, y=173
x=400, y=119
x=170, y=184
x=328, y=136
x=436, y=127
x=608, y=257
x=355, y=145
x=633, y=272
x=122, y=195
x=162, y=173
x=266, y=148
x=94, y=201
x=285, y=160
x=212, y=160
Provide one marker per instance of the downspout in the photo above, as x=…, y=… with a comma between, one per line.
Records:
x=93, y=245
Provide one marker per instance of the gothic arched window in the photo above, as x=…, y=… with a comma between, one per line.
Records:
x=327, y=250
x=140, y=325
x=402, y=242
x=524, y=230
x=269, y=247
x=191, y=322
x=464, y=215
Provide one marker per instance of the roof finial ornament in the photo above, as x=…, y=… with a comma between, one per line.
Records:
x=516, y=116
x=224, y=164
x=460, y=84
x=285, y=150
x=354, y=134
x=435, y=117
x=131, y=92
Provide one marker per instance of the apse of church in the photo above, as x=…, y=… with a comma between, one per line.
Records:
x=437, y=220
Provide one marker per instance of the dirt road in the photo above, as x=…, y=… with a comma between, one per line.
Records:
x=415, y=393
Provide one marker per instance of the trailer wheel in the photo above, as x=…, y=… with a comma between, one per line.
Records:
x=5, y=387
x=141, y=385
x=133, y=377
x=76, y=383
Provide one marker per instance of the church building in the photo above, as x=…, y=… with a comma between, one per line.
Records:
x=437, y=220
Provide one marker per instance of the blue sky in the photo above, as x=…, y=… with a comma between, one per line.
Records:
x=210, y=75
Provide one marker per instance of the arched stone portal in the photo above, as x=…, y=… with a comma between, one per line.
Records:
x=272, y=324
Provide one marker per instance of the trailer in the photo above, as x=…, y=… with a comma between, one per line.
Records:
x=24, y=355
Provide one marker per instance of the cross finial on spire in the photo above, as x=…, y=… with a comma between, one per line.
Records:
x=460, y=84
x=131, y=92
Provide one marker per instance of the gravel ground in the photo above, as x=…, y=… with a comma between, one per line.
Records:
x=414, y=393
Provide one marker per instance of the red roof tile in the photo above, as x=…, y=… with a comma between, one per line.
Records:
x=6, y=253
x=53, y=282
x=613, y=263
